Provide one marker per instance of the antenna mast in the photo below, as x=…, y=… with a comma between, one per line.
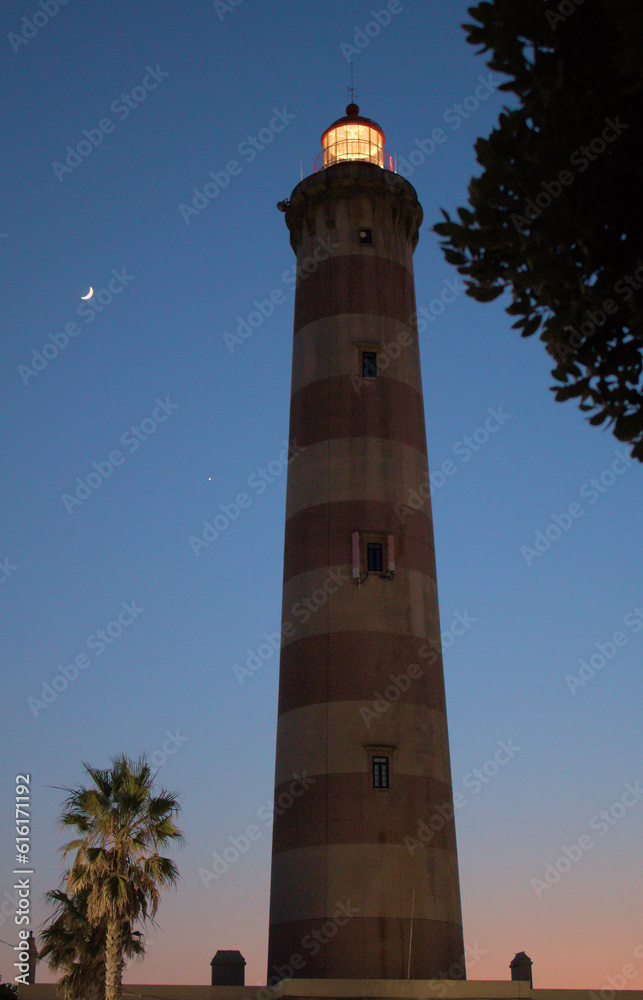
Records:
x=350, y=90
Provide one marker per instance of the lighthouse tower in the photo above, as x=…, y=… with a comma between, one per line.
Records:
x=364, y=868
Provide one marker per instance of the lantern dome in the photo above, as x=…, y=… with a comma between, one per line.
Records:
x=353, y=137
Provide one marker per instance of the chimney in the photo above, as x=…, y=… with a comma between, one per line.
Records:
x=228, y=969
x=33, y=957
x=521, y=969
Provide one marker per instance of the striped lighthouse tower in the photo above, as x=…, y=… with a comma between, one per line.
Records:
x=364, y=869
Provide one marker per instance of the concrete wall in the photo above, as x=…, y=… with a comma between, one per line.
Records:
x=302, y=989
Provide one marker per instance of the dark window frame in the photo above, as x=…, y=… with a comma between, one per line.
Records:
x=375, y=557
x=381, y=771
x=369, y=364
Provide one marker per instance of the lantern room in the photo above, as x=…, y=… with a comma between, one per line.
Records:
x=353, y=138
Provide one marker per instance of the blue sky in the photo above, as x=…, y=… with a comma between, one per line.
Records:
x=181, y=419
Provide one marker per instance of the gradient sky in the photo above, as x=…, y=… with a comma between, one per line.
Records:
x=214, y=80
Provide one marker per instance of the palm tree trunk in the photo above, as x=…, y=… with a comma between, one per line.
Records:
x=114, y=960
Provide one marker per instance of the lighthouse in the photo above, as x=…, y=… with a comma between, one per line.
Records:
x=364, y=880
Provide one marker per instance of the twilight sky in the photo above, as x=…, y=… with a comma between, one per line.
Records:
x=133, y=418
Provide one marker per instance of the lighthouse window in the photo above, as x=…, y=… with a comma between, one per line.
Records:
x=365, y=237
x=374, y=563
x=369, y=364
x=380, y=772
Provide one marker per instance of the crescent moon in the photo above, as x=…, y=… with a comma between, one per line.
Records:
x=89, y=293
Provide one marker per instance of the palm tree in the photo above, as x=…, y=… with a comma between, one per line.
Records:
x=72, y=944
x=8, y=991
x=121, y=826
